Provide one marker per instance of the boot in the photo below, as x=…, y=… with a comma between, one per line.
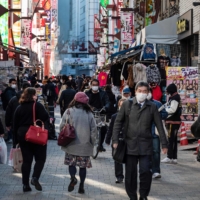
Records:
x=81, y=189
x=27, y=188
x=72, y=184
x=35, y=182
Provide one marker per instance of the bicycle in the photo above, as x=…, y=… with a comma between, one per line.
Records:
x=100, y=121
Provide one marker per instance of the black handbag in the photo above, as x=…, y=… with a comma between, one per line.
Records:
x=195, y=129
x=119, y=154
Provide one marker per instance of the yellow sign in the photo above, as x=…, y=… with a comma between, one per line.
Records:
x=182, y=26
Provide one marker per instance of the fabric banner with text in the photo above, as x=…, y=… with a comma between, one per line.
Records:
x=26, y=33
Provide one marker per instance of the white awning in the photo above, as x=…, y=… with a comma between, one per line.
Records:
x=162, y=32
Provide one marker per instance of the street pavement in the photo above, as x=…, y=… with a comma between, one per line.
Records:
x=179, y=181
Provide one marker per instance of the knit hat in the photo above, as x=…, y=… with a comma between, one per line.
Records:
x=126, y=90
x=81, y=97
x=171, y=89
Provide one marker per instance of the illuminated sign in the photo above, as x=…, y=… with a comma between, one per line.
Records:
x=4, y=23
x=182, y=26
x=104, y=3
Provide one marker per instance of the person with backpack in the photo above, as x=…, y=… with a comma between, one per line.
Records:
x=174, y=110
x=50, y=93
x=9, y=93
x=12, y=106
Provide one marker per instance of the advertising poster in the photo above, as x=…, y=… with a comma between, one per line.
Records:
x=4, y=23
x=25, y=33
x=97, y=29
x=120, y=4
x=186, y=80
x=54, y=15
x=127, y=33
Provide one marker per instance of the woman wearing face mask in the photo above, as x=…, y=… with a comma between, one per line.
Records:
x=118, y=167
x=23, y=119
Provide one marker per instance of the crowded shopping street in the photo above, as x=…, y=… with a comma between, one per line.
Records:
x=99, y=99
x=178, y=181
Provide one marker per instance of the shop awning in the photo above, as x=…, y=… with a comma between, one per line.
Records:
x=125, y=51
x=162, y=32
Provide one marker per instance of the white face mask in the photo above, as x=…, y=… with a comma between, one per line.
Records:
x=95, y=88
x=141, y=97
x=13, y=86
x=149, y=96
x=70, y=78
x=61, y=81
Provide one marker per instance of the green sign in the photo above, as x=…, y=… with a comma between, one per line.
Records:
x=104, y=3
x=4, y=23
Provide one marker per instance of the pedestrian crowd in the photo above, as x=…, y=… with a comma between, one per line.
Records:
x=144, y=124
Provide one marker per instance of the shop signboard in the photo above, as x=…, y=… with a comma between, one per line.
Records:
x=97, y=29
x=26, y=33
x=24, y=8
x=78, y=61
x=104, y=3
x=4, y=23
x=186, y=80
x=127, y=33
x=100, y=60
x=120, y=4
x=54, y=15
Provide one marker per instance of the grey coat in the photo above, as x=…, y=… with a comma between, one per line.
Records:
x=138, y=135
x=85, y=129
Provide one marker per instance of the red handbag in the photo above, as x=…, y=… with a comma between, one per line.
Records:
x=37, y=134
x=67, y=135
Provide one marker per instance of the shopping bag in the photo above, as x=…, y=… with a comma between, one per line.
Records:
x=119, y=154
x=10, y=160
x=3, y=151
x=17, y=159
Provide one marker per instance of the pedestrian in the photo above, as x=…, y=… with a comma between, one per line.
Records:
x=1, y=129
x=118, y=166
x=46, y=78
x=98, y=100
x=78, y=152
x=50, y=92
x=174, y=110
x=79, y=83
x=66, y=97
x=126, y=93
x=63, y=87
x=113, y=104
x=70, y=78
x=12, y=106
x=138, y=115
x=23, y=119
x=156, y=139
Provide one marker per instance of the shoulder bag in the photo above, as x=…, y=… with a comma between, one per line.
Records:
x=37, y=134
x=67, y=135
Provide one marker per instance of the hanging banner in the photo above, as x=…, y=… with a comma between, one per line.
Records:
x=47, y=58
x=127, y=29
x=25, y=33
x=4, y=23
x=186, y=80
x=120, y=4
x=97, y=29
x=54, y=15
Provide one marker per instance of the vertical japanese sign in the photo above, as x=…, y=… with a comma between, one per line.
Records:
x=186, y=80
x=25, y=33
x=120, y=4
x=47, y=57
x=54, y=15
x=127, y=33
x=4, y=23
x=97, y=29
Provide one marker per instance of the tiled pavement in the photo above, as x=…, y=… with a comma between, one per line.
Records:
x=180, y=181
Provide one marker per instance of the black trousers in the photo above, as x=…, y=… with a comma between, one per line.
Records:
x=103, y=134
x=30, y=151
x=172, y=147
x=131, y=175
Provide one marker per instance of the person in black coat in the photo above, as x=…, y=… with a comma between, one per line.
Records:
x=12, y=106
x=23, y=119
x=66, y=97
x=1, y=129
x=118, y=167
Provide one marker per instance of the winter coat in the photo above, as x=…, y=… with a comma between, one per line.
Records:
x=63, y=87
x=103, y=98
x=10, y=110
x=1, y=128
x=66, y=97
x=138, y=123
x=156, y=93
x=23, y=119
x=153, y=74
x=139, y=73
x=85, y=130
x=112, y=108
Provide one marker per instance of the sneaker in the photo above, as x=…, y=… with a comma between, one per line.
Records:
x=166, y=160
x=174, y=161
x=156, y=175
x=119, y=180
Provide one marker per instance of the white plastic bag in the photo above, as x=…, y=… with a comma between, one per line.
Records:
x=3, y=151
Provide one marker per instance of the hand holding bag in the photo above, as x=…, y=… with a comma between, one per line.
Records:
x=36, y=134
x=67, y=135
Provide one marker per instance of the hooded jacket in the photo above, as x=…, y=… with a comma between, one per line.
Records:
x=173, y=106
x=139, y=73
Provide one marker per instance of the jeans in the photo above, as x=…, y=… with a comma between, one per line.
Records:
x=131, y=175
x=156, y=155
x=30, y=150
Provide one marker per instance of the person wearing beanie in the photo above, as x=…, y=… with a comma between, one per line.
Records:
x=78, y=152
x=174, y=110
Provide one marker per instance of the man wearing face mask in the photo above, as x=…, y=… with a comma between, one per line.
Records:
x=126, y=93
x=138, y=116
x=98, y=99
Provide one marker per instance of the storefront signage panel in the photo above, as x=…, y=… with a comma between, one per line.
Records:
x=26, y=33
x=104, y=3
x=185, y=25
x=4, y=23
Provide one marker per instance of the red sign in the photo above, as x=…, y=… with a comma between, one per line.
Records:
x=97, y=29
